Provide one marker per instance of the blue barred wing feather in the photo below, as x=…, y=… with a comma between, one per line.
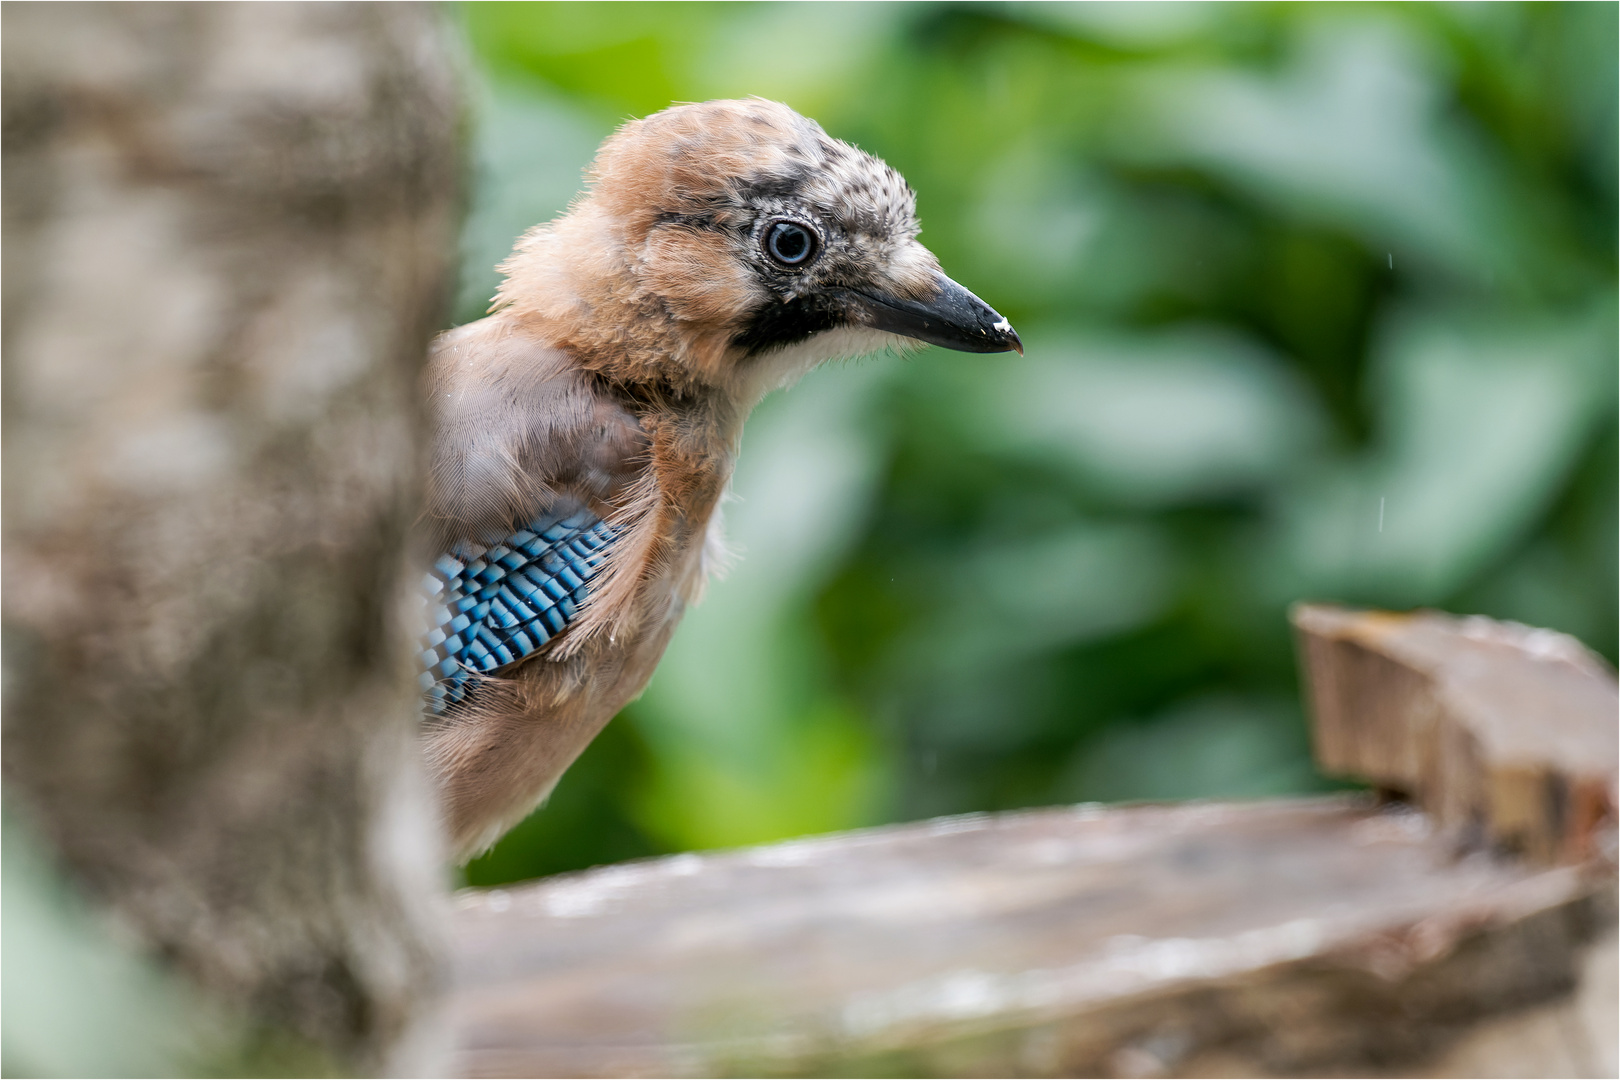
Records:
x=490, y=607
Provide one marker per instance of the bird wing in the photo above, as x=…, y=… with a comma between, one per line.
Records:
x=490, y=607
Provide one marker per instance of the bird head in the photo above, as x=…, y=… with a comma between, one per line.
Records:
x=734, y=244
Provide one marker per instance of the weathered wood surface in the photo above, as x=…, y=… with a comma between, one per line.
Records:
x=1506, y=734
x=1288, y=938
x=1284, y=938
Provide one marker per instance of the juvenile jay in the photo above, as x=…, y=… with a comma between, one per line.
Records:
x=585, y=431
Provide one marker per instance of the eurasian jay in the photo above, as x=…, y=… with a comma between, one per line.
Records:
x=585, y=431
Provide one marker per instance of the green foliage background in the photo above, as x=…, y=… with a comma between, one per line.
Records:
x=1319, y=302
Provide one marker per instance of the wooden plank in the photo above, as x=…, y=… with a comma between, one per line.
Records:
x=1293, y=937
x=1504, y=733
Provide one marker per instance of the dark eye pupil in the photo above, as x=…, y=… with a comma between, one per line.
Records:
x=789, y=243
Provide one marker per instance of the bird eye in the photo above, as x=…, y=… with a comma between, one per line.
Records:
x=790, y=243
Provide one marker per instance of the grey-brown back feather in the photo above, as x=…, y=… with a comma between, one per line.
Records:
x=518, y=427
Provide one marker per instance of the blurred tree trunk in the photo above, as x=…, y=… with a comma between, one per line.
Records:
x=228, y=229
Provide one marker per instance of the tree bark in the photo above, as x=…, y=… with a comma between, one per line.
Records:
x=228, y=232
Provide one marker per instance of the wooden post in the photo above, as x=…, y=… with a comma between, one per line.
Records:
x=1504, y=733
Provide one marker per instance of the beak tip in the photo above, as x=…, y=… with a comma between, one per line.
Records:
x=1009, y=336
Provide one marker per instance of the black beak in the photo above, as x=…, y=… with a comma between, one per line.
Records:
x=955, y=318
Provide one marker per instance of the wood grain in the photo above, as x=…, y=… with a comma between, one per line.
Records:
x=1506, y=734
x=1292, y=937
